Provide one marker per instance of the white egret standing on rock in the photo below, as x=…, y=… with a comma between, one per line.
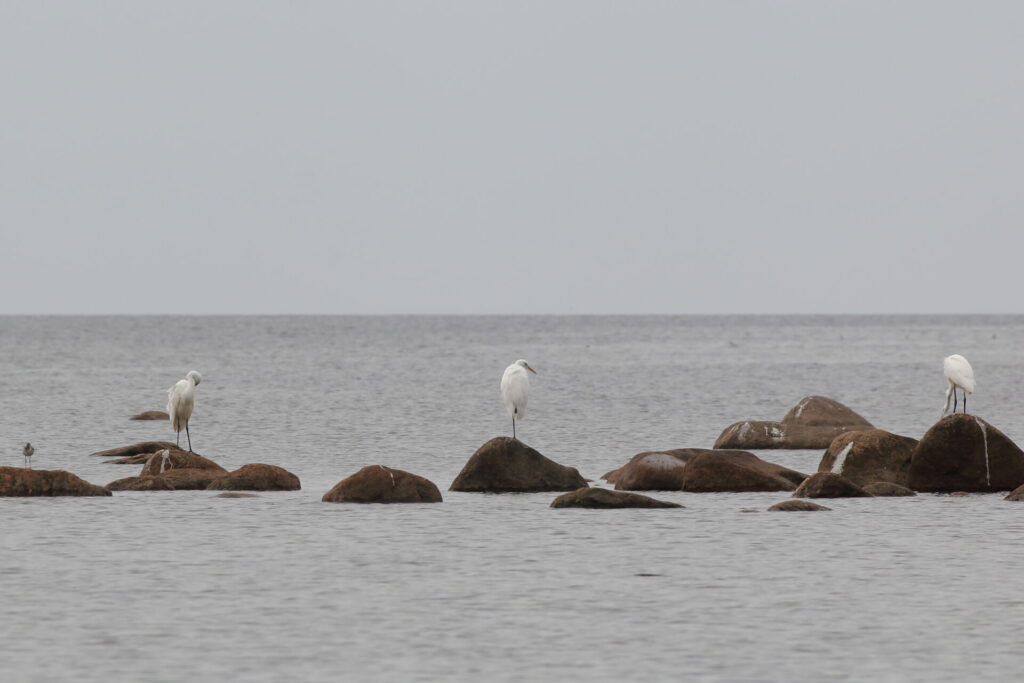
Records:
x=959, y=373
x=27, y=451
x=181, y=398
x=515, y=386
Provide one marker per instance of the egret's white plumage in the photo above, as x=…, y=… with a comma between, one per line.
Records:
x=27, y=451
x=959, y=373
x=515, y=389
x=181, y=399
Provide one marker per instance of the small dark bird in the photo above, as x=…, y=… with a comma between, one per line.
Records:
x=27, y=451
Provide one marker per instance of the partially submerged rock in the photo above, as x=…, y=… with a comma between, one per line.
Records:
x=965, y=453
x=1016, y=494
x=257, y=477
x=20, y=482
x=702, y=470
x=603, y=499
x=379, y=484
x=507, y=465
x=869, y=455
x=796, y=506
x=191, y=479
x=811, y=423
x=829, y=485
x=147, y=483
x=887, y=488
x=712, y=471
x=151, y=415
x=652, y=471
x=142, y=447
x=162, y=461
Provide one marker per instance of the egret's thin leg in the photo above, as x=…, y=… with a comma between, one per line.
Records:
x=177, y=438
x=189, y=437
x=513, y=428
x=965, y=403
x=954, y=400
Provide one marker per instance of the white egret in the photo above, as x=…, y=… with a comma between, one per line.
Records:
x=959, y=373
x=515, y=386
x=27, y=451
x=181, y=398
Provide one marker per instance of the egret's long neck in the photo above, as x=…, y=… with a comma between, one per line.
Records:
x=949, y=392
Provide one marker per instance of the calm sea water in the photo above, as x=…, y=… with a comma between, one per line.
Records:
x=186, y=586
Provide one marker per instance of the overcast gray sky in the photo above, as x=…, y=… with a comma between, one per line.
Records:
x=511, y=157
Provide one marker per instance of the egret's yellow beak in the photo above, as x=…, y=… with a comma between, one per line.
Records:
x=531, y=369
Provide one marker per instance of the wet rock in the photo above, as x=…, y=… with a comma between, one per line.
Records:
x=20, y=482
x=1016, y=494
x=811, y=423
x=734, y=471
x=146, y=483
x=235, y=494
x=151, y=415
x=191, y=479
x=257, y=477
x=603, y=499
x=829, y=485
x=796, y=506
x=711, y=471
x=870, y=455
x=965, y=453
x=158, y=463
x=507, y=465
x=142, y=447
x=379, y=484
x=140, y=459
x=887, y=488
x=652, y=471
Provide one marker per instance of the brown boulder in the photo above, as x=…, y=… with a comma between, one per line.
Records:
x=796, y=506
x=140, y=459
x=257, y=477
x=829, y=485
x=1016, y=494
x=811, y=423
x=379, y=484
x=507, y=465
x=887, y=488
x=869, y=455
x=652, y=471
x=135, y=449
x=177, y=460
x=711, y=471
x=140, y=484
x=151, y=415
x=190, y=479
x=21, y=482
x=965, y=453
x=603, y=499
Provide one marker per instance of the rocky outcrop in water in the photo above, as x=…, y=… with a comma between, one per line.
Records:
x=379, y=484
x=507, y=465
x=1017, y=494
x=603, y=499
x=151, y=415
x=140, y=448
x=20, y=482
x=797, y=506
x=191, y=479
x=652, y=471
x=829, y=485
x=870, y=455
x=702, y=470
x=170, y=459
x=811, y=423
x=965, y=453
x=715, y=471
x=147, y=483
x=887, y=488
x=257, y=477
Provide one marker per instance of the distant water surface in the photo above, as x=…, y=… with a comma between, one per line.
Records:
x=187, y=586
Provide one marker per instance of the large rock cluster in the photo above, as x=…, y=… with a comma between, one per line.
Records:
x=811, y=423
